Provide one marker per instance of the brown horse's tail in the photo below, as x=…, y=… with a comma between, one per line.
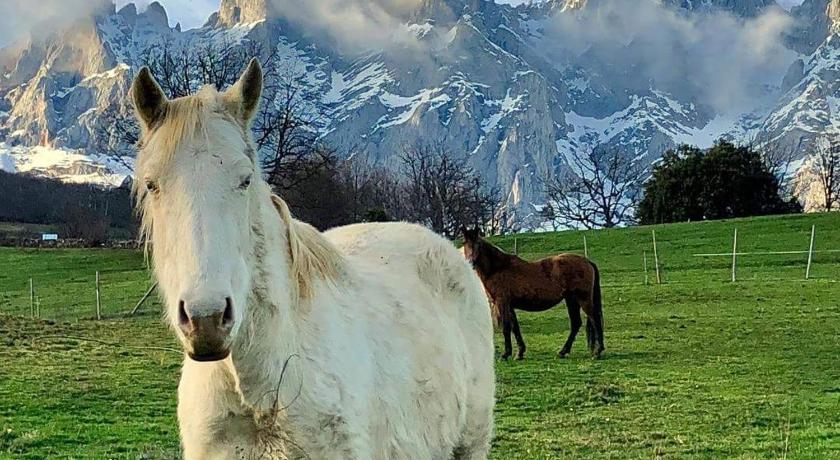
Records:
x=595, y=325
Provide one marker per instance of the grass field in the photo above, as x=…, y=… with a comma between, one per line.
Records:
x=64, y=282
x=695, y=368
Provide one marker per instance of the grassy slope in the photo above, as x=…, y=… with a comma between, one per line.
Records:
x=695, y=368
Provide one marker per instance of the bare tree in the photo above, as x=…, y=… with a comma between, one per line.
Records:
x=778, y=157
x=825, y=168
x=117, y=133
x=373, y=193
x=183, y=70
x=601, y=191
x=444, y=192
x=286, y=128
x=358, y=191
x=432, y=187
x=180, y=71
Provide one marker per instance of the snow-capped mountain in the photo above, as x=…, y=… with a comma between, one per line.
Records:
x=516, y=90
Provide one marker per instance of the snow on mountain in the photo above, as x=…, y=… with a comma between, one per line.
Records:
x=72, y=166
x=481, y=79
x=810, y=108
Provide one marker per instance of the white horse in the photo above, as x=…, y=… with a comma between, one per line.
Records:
x=371, y=341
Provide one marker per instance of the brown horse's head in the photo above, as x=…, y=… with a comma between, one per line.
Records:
x=482, y=255
x=472, y=243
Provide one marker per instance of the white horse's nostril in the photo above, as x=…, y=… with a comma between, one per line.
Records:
x=227, y=317
x=183, y=318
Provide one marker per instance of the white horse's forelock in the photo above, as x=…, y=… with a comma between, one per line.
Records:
x=184, y=118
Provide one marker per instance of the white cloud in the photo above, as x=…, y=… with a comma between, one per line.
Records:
x=353, y=24
x=19, y=17
x=727, y=61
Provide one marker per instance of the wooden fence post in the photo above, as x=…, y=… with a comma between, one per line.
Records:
x=644, y=261
x=656, y=258
x=98, y=304
x=145, y=296
x=734, y=253
x=515, y=246
x=31, y=298
x=585, y=247
x=810, y=253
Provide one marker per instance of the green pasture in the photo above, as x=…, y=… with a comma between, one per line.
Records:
x=697, y=367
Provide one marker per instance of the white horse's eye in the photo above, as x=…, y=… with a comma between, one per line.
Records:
x=245, y=183
x=151, y=186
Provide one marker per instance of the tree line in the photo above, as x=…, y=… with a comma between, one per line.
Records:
x=605, y=188
x=84, y=211
x=433, y=186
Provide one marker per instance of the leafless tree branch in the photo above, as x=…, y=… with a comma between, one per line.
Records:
x=601, y=191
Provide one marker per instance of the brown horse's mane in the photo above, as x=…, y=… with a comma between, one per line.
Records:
x=491, y=259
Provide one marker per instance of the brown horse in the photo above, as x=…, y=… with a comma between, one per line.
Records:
x=513, y=283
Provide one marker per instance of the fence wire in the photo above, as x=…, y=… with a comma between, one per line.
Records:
x=63, y=281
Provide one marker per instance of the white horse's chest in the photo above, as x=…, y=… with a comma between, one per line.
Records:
x=293, y=434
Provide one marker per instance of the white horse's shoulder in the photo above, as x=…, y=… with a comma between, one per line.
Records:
x=399, y=247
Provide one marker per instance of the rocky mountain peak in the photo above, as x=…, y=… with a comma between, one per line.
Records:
x=156, y=15
x=233, y=12
x=813, y=24
x=833, y=13
x=742, y=8
x=128, y=12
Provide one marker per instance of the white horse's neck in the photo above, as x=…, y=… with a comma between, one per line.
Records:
x=265, y=358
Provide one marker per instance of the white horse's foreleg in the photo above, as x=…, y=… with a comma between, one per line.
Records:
x=477, y=435
x=210, y=416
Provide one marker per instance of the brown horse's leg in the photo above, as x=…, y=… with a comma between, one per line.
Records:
x=575, y=322
x=520, y=343
x=594, y=333
x=507, y=325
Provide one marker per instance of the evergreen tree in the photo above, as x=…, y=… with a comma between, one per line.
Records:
x=722, y=182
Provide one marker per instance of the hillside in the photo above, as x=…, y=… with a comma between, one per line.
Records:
x=695, y=368
x=516, y=90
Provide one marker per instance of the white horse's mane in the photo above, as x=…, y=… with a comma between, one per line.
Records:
x=311, y=255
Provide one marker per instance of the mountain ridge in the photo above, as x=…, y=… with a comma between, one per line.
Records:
x=475, y=77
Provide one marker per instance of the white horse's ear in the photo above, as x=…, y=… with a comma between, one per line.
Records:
x=243, y=98
x=149, y=101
